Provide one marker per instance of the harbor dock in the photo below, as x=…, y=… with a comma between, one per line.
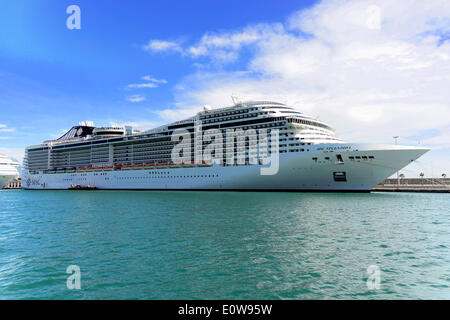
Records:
x=441, y=185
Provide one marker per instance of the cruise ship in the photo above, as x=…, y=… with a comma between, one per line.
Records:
x=253, y=145
x=8, y=170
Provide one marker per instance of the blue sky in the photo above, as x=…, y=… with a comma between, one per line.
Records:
x=353, y=64
x=52, y=77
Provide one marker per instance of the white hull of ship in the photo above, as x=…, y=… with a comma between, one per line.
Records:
x=297, y=172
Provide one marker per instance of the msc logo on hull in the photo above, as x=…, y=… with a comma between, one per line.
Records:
x=33, y=182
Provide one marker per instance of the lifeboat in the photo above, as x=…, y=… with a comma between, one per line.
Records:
x=189, y=164
x=175, y=165
x=205, y=164
x=132, y=166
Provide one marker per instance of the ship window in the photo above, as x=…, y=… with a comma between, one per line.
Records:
x=371, y=157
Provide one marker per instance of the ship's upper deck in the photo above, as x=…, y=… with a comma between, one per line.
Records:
x=225, y=117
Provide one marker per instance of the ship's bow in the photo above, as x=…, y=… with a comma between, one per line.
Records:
x=387, y=159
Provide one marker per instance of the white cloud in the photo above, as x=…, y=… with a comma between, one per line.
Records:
x=141, y=86
x=4, y=128
x=178, y=113
x=135, y=98
x=152, y=83
x=154, y=80
x=15, y=153
x=162, y=46
x=224, y=47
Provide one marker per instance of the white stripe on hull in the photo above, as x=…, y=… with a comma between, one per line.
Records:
x=297, y=171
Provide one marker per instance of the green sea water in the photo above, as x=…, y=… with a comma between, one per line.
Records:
x=224, y=245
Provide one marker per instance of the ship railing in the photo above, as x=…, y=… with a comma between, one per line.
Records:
x=82, y=169
x=160, y=165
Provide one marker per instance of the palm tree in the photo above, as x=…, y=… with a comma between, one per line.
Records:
x=444, y=176
x=422, y=175
x=402, y=176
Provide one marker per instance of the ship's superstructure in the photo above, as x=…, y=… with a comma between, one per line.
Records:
x=8, y=170
x=238, y=139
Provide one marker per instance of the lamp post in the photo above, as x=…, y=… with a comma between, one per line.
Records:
x=398, y=180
